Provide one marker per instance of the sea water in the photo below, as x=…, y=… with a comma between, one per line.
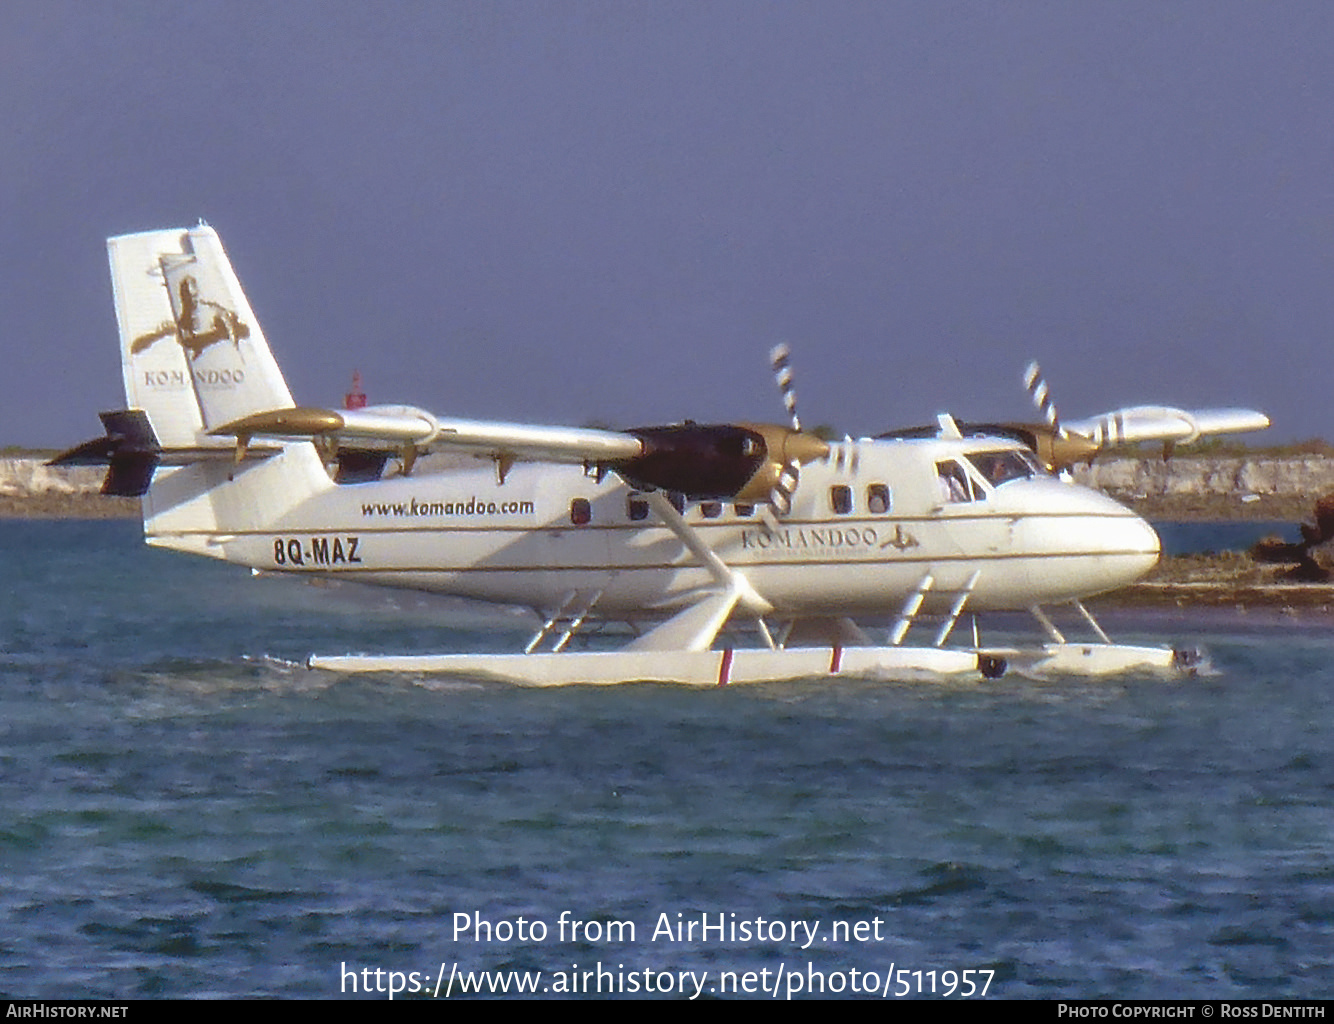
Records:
x=1202, y=537
x=186, y=811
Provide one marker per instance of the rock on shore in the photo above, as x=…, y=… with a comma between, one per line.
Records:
x=1215, y=488
x=30, y=488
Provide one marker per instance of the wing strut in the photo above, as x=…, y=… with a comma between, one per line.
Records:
x=696, y=628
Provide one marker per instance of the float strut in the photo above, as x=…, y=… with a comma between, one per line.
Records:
x=1088, y=617
x=1052, y=631
x=547, y=626
x=910, y=610
x=955, y=609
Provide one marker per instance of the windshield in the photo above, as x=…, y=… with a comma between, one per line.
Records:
x=1001, y=467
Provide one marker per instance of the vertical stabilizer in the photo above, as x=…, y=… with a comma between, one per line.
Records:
x=233, y=372
x=193, y=354
x=157, y=377
x=194, y=359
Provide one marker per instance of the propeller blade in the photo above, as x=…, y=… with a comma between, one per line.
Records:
x=781, y=495
x=1041, y=397
x=780, y=358
x=789, y=477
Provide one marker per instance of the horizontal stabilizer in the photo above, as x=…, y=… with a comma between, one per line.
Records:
x=127, y=431
x=131, y=450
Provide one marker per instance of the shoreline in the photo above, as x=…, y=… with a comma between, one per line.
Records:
x=1283, y=597
x=67, y=505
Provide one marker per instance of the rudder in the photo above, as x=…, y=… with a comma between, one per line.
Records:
x=193, y=354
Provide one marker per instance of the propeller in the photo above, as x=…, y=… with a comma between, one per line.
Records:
x=789, y=473
x=1058, y=447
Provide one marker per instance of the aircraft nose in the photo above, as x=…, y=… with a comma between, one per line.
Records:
x=1087, y=543
x=1127, y=544
x=1144, y=537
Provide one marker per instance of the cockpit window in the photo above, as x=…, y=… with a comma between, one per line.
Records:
x=1003, y=466
x=954, y=482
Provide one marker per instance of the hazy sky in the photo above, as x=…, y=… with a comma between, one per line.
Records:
x=571, y=212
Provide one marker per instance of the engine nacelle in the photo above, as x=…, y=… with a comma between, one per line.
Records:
x=715, y=461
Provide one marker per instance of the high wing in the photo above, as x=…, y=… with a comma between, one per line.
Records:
x=401, y=424
x=1068, y=444
x=406, y=430
x=743, y=461
x=1164, y=423
x=730, y=460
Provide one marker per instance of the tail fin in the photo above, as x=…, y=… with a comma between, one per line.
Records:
x=194, y=359
x=157, y=377
x=193, y=354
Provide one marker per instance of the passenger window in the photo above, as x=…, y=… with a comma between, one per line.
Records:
x=678, y=501
x=636, y=508
x=744, y=510
x=710, y=509
x=581, y=512
x=840, y=499
x=877, y=499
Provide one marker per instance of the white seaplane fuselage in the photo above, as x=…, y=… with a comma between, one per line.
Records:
x=865, y=528
x=816, y=538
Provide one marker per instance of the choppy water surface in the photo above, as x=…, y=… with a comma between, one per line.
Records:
x=182, y=812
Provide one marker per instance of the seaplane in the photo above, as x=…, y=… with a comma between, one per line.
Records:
x=725, y=553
